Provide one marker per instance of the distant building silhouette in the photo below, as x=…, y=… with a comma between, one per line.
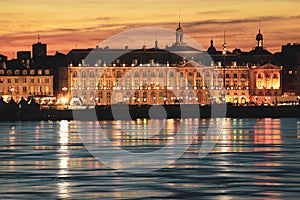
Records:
x=39, y=50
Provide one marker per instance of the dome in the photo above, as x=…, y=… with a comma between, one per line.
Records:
x=259, y=36
x=179, y=29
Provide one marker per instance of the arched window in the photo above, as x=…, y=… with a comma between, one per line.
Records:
x=153, y=74
x=75, y=74
x=92, y=74
x=136, y=74
x=144, y=96
x=108, y=97
x=144, y=74
x=171, y=74
x=259, y=76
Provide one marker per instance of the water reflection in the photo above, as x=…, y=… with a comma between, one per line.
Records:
x=253, y=159
x=63, y=157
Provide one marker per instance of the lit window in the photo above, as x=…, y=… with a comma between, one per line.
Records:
x=290, y=72
x=31, y=72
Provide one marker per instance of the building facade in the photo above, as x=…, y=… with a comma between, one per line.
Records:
x=165, y=84
x=23, y=83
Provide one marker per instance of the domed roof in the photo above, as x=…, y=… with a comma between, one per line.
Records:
x=259, y=36
x=179, y=29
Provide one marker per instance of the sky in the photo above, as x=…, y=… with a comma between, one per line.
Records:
x=65, y=24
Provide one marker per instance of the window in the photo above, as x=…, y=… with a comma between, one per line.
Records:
x=235, y=83
x=153, y=74
x=290, y=72
x=198, y=84
x=16, y=80
x=32, y=80
x=207, y=74
x=144, y=96
x=243, y=75
x=24, y=72
x=118, y=74
x=161, y=74
x=47, y=80
x=17, y=72
x=198, y=74
x=39, y=80
x=100, y=97
x=190, y=74
x=259, y=76
x=1, y=72
x=9, y=72
x=24, y=89
x=83, y=74
x=152, y=96
x=1, y=80
x=75, y=74
x=161, y=95
x=92, y=75
x=235, y=75
x=144, y=74
x=31, y=72
x=181, y=74
x=219, y=75
x=171, y=74
x=136, y=74
x=8, y=80
x=24, y=80
x=92, y=95
x=259, y=84
x=227, y=76
x=275, y=76
x=108, y=83
x=227, y=83
x=40, y=72
x=47, y=72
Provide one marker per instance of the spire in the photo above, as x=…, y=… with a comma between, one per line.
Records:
x=224, y=44
x=156, y=44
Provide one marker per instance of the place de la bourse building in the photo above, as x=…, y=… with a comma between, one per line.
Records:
x=169, y=76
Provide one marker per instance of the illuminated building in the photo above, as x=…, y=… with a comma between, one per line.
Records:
x=265, y=83
x=18, y=80
x=157, y=76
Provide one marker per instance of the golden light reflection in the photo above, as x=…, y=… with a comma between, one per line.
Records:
x=63, y=187
x=12, y=138
x=266, y=131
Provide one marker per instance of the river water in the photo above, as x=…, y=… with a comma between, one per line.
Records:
x=252, y=159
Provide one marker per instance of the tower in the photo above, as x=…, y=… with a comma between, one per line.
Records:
x=39, y=50
x=259, y=39
x=179, y=35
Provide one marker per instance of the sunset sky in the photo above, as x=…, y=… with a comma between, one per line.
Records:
x=65, y=25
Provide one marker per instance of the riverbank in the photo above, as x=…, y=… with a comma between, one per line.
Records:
x=134, y=112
